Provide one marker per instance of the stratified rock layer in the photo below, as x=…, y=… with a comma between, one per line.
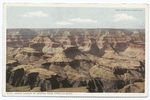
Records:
x=75, y=60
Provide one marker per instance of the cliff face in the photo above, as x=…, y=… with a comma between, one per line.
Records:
x=59, y=77
x=63, y=72
x=136, y=51
x=83, y=60
x=24, y=75
x=28, y=55
x=118, y=41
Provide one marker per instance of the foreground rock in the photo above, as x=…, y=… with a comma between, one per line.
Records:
x=138, y=87
x=29, y=75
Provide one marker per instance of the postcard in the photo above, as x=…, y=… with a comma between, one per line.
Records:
x=75, y=49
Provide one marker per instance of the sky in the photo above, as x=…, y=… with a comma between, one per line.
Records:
x=74, y=17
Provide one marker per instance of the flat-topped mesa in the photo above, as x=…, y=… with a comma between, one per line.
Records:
x=69, y=56
x=31, y=52
x=61, y=58
x=53, y=44
x=120, y=66
x=46, y=56
x=28, y=55
x=37, y=46
x=53, y=48
x=73, y=52
x=70, y=48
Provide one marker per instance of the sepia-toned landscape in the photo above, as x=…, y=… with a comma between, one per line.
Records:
x=100, y=60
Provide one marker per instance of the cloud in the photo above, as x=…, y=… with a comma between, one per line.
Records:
x=35, y=14
x=83, y=20
x=119, y=17
x=64, y=23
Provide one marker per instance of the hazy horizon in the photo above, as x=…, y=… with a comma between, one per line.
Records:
x=77, y=28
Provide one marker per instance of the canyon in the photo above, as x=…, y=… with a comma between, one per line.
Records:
x=75, y=60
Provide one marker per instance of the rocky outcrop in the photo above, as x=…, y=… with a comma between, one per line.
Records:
x=17, y=78
x=10, y=64
x=41, y=38
x=52, y=50
x=83, y=60
x=39, y=42
x=136, y=51
x=28, y=57
x=110, y=81
x=37, y=46
x=28, y=75
x=137, y=87
x=118, y=41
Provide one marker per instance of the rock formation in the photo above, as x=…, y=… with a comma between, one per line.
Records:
x=75, y=60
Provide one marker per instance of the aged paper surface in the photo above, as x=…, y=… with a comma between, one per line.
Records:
x=92, y=50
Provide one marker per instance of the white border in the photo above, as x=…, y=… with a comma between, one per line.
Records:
x=60, y=94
